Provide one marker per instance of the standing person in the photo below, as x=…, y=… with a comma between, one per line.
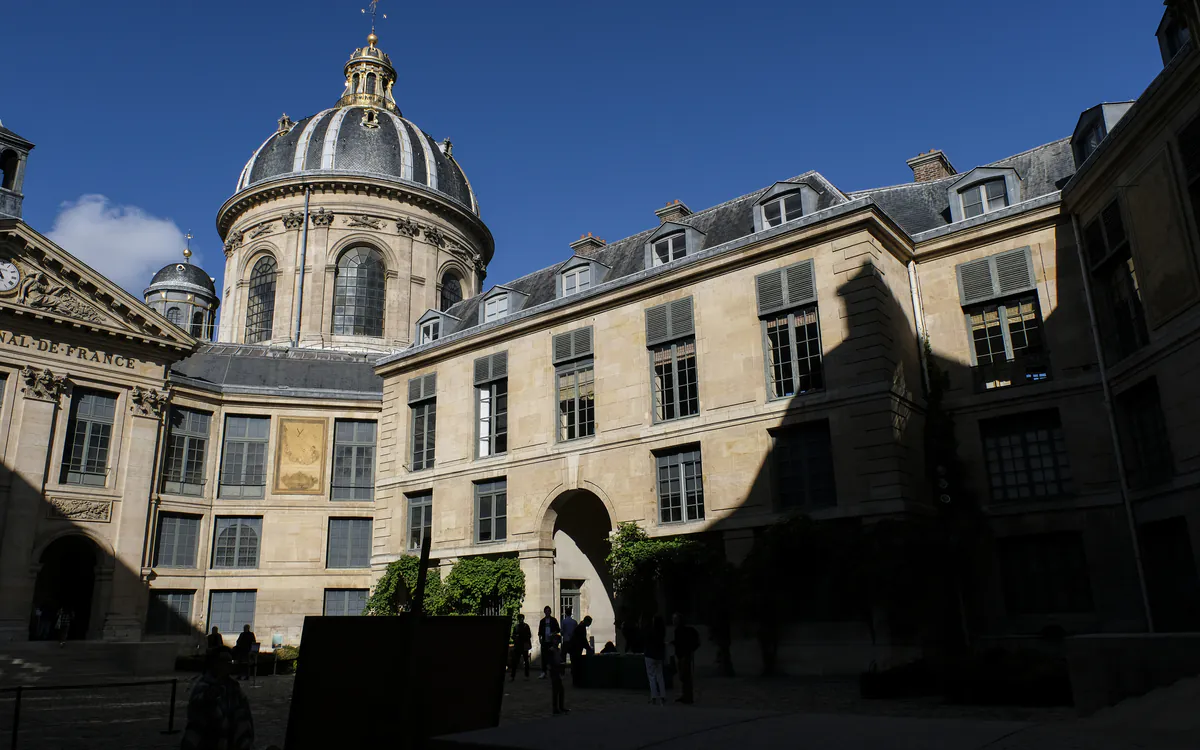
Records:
x=522, y=640
x=568, y=630
x=686, y=642
x=655, y=648
x=242, y=650
x=214, y=639
x=578, y=644
x=554, y=656
x=218, y=715
x=62, y=623
x=547, y=629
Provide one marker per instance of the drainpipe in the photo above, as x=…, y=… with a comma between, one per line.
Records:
x=919, y=317
x=300, y=278
x=1112, y=426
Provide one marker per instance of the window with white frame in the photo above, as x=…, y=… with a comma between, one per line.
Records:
x=431, y=330
x=669, y=248
x=576, y=280
x=680, y=486
x=984, y=197
x=791, y=330
x=89, y=435
x=785, y=208
x=491, y=405
x=495, y=308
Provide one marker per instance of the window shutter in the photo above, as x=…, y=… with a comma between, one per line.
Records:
x=786, y=287
x=499, y=365
x=422, y=387
x=681, y=318
x=670, y=321
x=491, y=367
x=1189, y=149
x=657, y=325
x=482, y=370
x=1014, y=271
x=564, y=346
x=801, y=287
x=770, y=291
x=975, y=282
x=572, y=345
x=583, y=341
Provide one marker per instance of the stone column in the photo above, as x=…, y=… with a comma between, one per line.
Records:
x=538, y=566
x=28, y=460
x=127, y=605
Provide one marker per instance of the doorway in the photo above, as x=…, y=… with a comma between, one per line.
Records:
x=65, y=583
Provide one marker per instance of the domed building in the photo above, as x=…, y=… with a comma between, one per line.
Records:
x=348, y=224
x=185, y=295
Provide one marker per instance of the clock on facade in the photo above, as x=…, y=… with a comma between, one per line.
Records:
x=10, y=275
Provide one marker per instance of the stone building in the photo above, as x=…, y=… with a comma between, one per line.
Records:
x=714, y=373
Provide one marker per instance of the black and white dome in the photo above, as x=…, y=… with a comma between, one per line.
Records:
x=361, y=140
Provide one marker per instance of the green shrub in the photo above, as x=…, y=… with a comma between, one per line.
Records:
x=475, y=583
x=391, y=595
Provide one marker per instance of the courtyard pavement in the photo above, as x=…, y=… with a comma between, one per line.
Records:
x=135, y=717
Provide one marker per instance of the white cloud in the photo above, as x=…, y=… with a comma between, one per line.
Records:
x=124, y=243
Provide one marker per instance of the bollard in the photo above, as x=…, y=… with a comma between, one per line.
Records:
x=16, y=718
x=171, y=710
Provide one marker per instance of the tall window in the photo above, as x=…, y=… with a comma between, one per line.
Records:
x=680, y=486
x=260, y=304
x=984, y=198
x=349, y=543
x=1119, y=311
x=491, y=511
x=452, y=292
x=576, y=280
x=175, y=315
x=1006, y=341
x=782, y=209
x=495, y=308
x=358, y=293
x=803, y=458
x=230, y=610
x=353, y=460
x=422, y=402
x=237, y=542
x=170, y=613
x=1026, y=456
x=576, y=384
x=1045, y=574
x=670, y=335
x=672, y=247
x=491, y=405
x=89, y=436
x=791, y=330
x=198, y=328
x=420, y=519
x=178, y=537
x=1145, y=446
x=244, y=471
x=345, y=602
x=187, y=446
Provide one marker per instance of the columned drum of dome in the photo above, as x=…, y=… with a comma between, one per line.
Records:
x=184, y=294
x=358, y=293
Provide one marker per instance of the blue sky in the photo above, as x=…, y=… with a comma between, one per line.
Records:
x=567, y=117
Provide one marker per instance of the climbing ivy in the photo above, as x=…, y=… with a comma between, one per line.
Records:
x=476, y=583
x=392, y=593
x=640, y=564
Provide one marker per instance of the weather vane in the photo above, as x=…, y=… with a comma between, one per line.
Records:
x=187, y=251
x=374, y=6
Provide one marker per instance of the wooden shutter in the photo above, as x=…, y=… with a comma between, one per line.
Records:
x=669, y=321
x=491, y=367
x=786, y=287
x=998, y=275
x=422, y=387
x=1014, y=271
x=573, y=344
x=975, y=282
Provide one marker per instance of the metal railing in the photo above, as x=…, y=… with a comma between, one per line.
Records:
x=22, y=689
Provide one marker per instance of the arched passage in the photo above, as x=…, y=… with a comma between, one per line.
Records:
x=579, y=524
x=66, y=582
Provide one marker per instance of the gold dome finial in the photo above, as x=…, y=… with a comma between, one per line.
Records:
x=371, y=39
x=187, y=250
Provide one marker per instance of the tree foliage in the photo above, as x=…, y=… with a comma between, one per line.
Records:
x=398, y=584
x=475, y=584
x=640, y=565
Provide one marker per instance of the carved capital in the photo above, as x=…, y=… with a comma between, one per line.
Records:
x=43, y=385
x=408, y=227
x=293, y=220
x=364, y=220
x=233, y=243
x=434, y=235
x=321, y=218
x=77, y=509
x=147, y=402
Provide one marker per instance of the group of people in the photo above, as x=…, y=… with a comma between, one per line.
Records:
x=570, y=640
x=243, y=649
x=218, y=715
x=61, y=622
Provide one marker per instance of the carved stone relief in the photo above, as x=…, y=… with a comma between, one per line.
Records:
x=41, y=293
x=147, y=402
x=293, y=220
x=77, y=509
x=260, y=231
x=434, y=235
x=43, y=384
x=321, y=218
x=363, y=220
x=233, y=243
x=407, y=226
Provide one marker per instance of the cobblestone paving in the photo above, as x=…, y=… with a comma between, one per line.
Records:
x=136, y=717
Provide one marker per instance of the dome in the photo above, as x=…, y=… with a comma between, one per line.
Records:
x=182, y=277
x=363, y=134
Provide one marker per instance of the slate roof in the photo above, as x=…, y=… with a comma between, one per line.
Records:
x=176, y=274
x=233, y=368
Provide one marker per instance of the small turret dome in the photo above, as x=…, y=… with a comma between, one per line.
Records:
x=186, y=296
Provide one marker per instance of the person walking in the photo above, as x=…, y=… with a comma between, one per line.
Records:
x=655, y=649
x=522, y=640
x=547, y=629
x=215, y=640
x=568, y=630
x=576, y=647
x=218, y=714
x=686, y=643
x=553, y=655
x=242, y=650
x=62, y=623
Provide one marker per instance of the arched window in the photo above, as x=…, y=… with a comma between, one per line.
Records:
x=237, y=543
x=358, y=293
x=354, y=86
x=8, y=169
x=198, y=324
x=451, y=291
x=370, y=83
x=260, y=306
x=175, y=315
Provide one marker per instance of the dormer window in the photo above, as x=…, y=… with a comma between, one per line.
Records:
x=1172, y=34
x=670, y=248
x=576, y=280
x=782, y=209
x=1089, y=141
x=430, y=331
x=495, y=308
x=984, y=198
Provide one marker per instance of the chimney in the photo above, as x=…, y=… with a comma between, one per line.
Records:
x=931, y=166
x=587, y=244
x=673, y=211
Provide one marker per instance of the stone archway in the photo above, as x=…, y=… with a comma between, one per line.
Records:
x=66, y=581
x=578, y=524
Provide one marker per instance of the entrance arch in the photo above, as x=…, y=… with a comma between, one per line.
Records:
x=578, y=524
x=66, y=581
